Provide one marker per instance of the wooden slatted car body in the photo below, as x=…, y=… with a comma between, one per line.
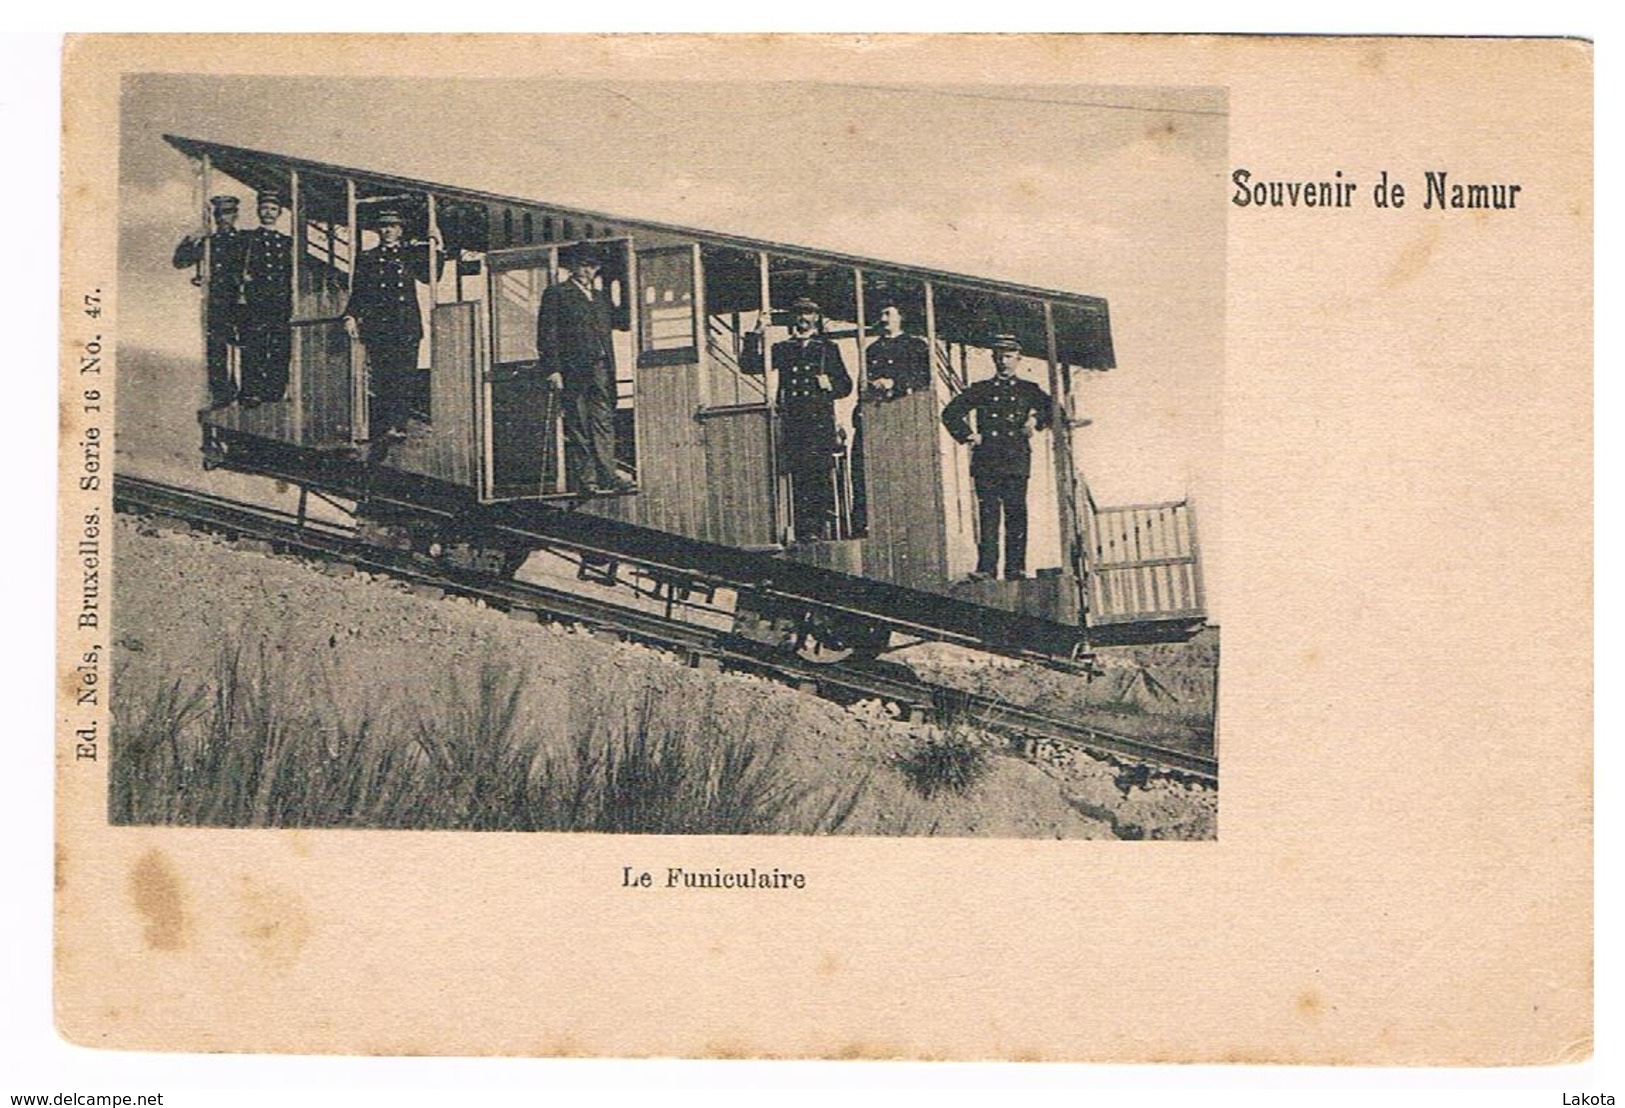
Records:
x=695, y=432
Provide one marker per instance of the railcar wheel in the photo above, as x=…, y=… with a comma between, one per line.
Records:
x=475, y=557
x=827, y=639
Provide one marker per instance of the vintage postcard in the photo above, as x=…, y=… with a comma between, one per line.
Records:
x=752, y=547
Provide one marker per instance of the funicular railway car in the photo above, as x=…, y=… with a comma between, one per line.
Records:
x=480, y=472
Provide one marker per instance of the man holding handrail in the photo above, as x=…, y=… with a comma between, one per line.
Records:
x=575, y=346
x=812, y=377
x=224, y=249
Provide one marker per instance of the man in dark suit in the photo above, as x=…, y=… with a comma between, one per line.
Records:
x=224, y=249
x=812, y=377
x=383, y=313
x=267, y=306
x=1009, y=411
x=575, y=349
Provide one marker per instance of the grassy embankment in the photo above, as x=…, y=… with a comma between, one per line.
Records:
x=248, y=748
x=252, y=746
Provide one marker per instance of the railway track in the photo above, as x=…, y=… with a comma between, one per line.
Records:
x=847, y=682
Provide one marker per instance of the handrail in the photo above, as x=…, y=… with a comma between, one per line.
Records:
x=943, y=360
x=1159, y=506
x=719, y=411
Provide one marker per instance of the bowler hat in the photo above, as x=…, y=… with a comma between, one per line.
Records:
x=582, y=253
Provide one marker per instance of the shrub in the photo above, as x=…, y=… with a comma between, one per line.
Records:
x=645, y=772
x=953, y=761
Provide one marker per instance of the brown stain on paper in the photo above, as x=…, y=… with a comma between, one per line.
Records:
x=1310, y=1004
x=67, y=684
x=157, y=894
x=728, y=1051
x=1163, y=133
x=1413, y=260
x=273, y=921
x=1025, y=190
x=861, y=1050
x=563, y=1046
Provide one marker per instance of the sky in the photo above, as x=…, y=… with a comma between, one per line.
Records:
x=1109, y=192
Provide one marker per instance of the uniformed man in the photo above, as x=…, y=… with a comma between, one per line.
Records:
x=224, y=248
x=383, y=313
x=266, y=299
x=896, y=365
x=1009, y=411
x=575, y=348
x=812, y=377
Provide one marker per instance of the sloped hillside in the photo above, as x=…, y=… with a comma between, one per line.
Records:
x=302, y=698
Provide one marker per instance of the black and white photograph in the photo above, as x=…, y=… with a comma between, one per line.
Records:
x=668, y=457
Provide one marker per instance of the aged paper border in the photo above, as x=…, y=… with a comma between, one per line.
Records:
x=1331, y=1003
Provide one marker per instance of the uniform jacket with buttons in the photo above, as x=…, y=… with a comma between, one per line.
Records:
x=267, y=275
x=384, y=298
x=905, y=360
x=575, y=337
x=806, y=411
x=799, y=363
x=1002, y=406
x=225, y=263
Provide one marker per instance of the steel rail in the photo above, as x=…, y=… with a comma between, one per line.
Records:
x=850, y=681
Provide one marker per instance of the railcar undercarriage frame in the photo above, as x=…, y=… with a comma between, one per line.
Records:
x=777, y=603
